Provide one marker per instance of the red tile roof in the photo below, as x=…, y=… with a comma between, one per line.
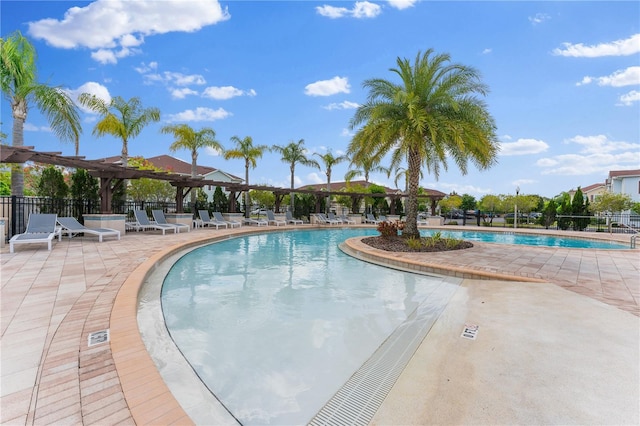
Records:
x=617, y=173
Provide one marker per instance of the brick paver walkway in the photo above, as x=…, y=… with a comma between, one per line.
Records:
x=51, y=301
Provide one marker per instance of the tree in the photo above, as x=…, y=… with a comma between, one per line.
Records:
x=149, y=189
x=549, y=214
x=85, y=192
x=579, y=209
x=450, y=203
x=366, y=167
x=189, y=139
x=433, y=116
x=293, y=154
x=220, y=201
x=20, y=86
x=609, y=202
x=468, y=203
x=52, y=183
x=329, y=161
x=246, y=151
x=490, y=203
x=120, y=119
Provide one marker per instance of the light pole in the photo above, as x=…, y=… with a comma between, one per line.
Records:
x=515, y=215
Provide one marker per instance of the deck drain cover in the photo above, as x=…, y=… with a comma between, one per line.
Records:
x=470, y=331
x=98, y=337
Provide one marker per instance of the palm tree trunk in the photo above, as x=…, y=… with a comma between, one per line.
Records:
x=328, y=190
x=246, y=193
x=194, y=174
x=292, y=196
x=413, y=166
x=17, y=174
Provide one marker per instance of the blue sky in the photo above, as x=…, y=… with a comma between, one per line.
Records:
x=564, y=78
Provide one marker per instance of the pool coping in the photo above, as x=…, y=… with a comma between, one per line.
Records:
x=148, y=397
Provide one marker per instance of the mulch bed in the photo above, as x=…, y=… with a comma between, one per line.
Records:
x=399, y=244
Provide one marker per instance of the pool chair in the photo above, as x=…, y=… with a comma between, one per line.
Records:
x=370, y=219
x=232, y=223
x=324, y=220
x=207, y=221
x=332, y=216
x=345, y=219
x=71, y=227
x=159, y=217
x=271, y=219
x=291, y=220
x=41, y=228
x=143, y=223
x=254, y=221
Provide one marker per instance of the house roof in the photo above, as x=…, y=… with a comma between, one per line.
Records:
x=621, y=173
x=592, y=187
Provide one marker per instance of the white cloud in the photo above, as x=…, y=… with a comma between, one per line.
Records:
x=402, y=4
x=487, y=51
x=347, y=133
x=182, y=93
x=124, y=24
x=539, y=18
x=597, y=155
x=199, y=114
x=523, y=147
x=180, y=79
x=342, y=105
x=457, y=188
x=92, y=88
x=629, y=98
x=620, y=78
x=625, y=47
x=28, y=127
x=328, y=87
x=226, y=92
x=145, y=68
x=361, y=9
x=212, y=151
x=314, y=178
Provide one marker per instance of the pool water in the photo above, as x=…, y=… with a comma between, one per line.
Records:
x=274, y=324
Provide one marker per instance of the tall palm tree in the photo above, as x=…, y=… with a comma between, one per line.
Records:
x=433, y=115
x=293, y=154
x=329, y=161
x=20, y=86
x=246, y=151
x=366, y=166
x=121, y=119
x=187, y=138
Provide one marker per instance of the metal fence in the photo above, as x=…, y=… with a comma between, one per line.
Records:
x=15, y=211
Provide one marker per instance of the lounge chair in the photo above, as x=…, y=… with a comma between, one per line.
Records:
x=370, y=219
x=159, y=217
x=271, y=219
x=254, y=221
x=332, y=216
x=72, y=227
x=345, y=219
x=291, y=220
x=143, y=223
x=207, y=221
x=41, y=228
x=232, y=223
x=323, y=219
x=382, y=218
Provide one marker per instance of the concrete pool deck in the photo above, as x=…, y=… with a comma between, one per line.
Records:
x=543, y=354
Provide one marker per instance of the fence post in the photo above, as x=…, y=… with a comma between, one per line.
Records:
x=13, y=214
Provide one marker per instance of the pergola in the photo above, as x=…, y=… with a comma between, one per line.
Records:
x=113, y=175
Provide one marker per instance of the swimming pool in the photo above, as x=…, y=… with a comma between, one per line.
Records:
x=274, y=324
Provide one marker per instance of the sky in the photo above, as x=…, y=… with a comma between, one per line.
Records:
x=563, y=78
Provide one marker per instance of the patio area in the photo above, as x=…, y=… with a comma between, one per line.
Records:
x=52, y=301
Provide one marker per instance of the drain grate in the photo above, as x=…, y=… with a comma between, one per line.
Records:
x=98, y=337
x=361, y=396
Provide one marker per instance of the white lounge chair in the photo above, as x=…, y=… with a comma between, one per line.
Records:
x=370, y=219
x=345, y=219
x=232, y=223
x=254, y=221
x=159, y=217
x=72, y=227
x=143, y=223
x=290, y=219
x=271, y=219
x=323, y=219
x=332, y=216
x=41, y=228
x=207, y=221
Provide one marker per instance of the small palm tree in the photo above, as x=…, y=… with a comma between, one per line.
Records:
x=20, y=86
x=121, y=119
x=293, y=154
x=187, y=138
x=246, y=151
x=433, y=115
x=366, y=167
x=329, y=161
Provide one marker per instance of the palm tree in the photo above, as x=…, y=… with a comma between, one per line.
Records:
x=292, y=154
x=187, y=138
x=246, y=151
x=121, y=119
x=329, y=161
x=367, y=166
x=432, y=116
x=19, y=85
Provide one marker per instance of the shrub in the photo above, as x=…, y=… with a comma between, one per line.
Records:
x=388, y=229
x=414, y=243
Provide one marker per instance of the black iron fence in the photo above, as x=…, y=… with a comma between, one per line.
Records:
x=15, y=211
